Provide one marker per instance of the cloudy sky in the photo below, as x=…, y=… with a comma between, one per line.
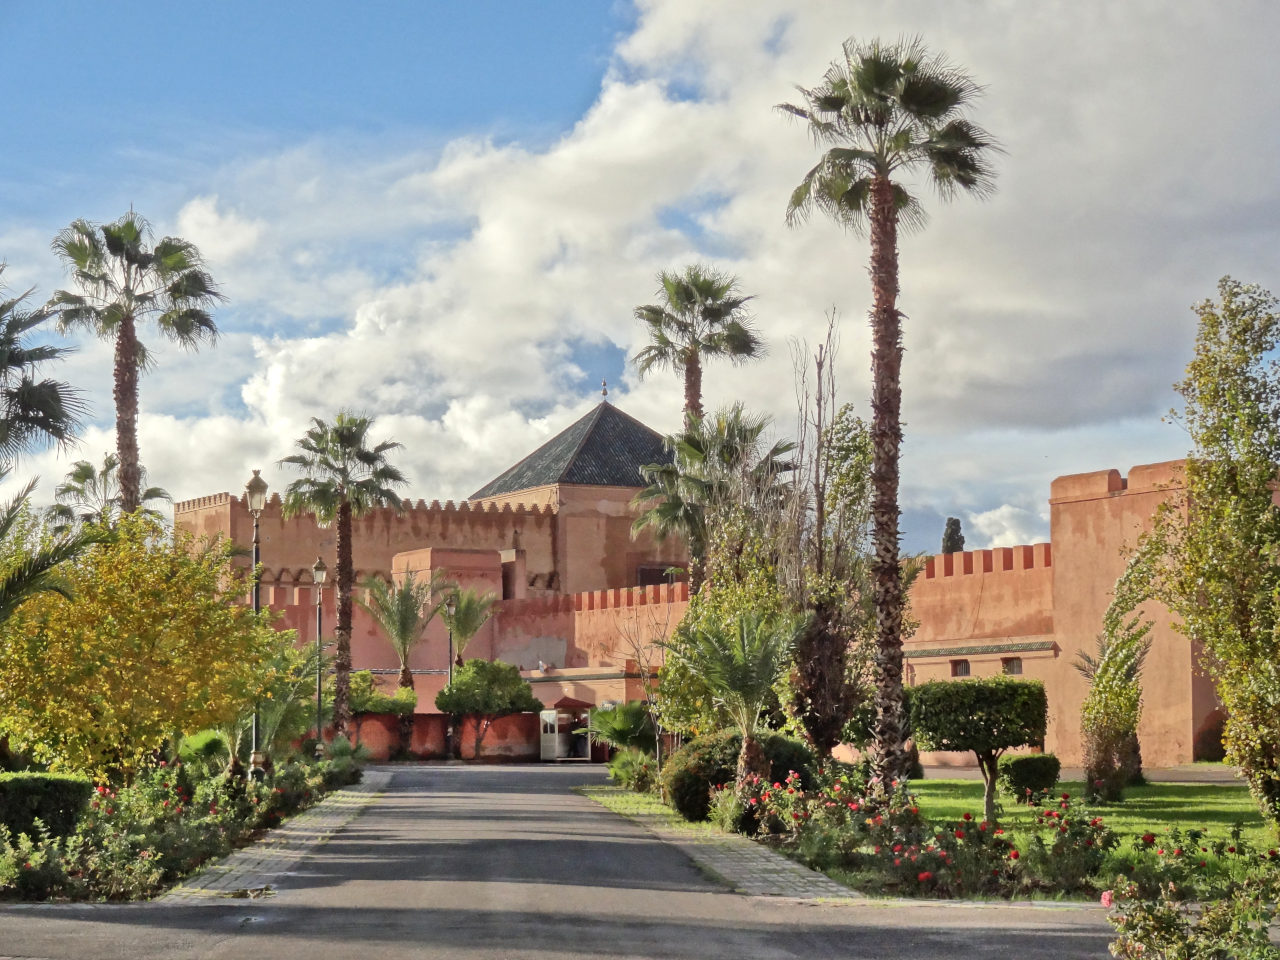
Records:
x=444, y=214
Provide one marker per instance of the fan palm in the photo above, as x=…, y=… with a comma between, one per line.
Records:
x=32, y=412
x=740, y=661
x=702, y=314
x=92, y=496
x=625, y=725
x=715, y=460
x=888, y=110
x=404, y=612
x=343, y=477
x=470, y=611
x=124, y=280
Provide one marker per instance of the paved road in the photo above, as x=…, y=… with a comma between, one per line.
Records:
x=459, y=862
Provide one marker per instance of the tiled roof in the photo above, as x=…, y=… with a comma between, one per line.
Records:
x=605, y=448
x=1024, y=646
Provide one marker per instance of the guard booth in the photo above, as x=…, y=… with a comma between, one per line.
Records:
x=559, y=742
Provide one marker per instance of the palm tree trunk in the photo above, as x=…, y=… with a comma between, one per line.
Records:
x=342, y=633
x=406, y=720
x=125, y=394
x=751, y=759
x=886, y=439
x=692, y=387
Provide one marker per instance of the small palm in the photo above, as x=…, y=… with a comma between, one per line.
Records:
x=404, y=612
x=465, y=612
x=92, y=496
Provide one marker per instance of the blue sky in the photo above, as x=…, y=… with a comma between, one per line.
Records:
x=444, y=214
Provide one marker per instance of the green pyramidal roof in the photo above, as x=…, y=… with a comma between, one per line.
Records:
x=605, y=448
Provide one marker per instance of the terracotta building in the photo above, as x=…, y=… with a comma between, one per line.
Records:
x=581, y=601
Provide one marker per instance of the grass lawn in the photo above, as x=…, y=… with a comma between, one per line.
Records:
x=1209, y=806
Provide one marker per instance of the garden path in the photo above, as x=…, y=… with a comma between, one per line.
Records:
x=507, y=862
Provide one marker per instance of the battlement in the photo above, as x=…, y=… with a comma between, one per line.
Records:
x=410, y=508
x=1144, y=478
x=593, y=600
x=997, y=560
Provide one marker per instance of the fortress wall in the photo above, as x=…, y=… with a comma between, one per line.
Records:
x=979, y=594
x=290, y=547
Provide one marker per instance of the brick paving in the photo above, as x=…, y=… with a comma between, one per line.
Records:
x=747, y=866
x=254, y=870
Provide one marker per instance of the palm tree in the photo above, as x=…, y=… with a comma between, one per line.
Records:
x=740, y=661
x=888, y=110
x=32, y=412
x=92, y=496
x=124, y=279
x=403, y=613
x=465, y=612
x=716, y=460
x=343, y=477
x=34, y=568
x=702, y=314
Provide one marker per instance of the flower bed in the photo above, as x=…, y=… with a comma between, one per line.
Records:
x=133, y=842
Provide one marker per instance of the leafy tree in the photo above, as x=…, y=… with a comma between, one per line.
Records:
x=740, y=662
x=1220, y=539
x=701, y=314
x=952, y=538
x=719, y=462
x=487, y=690
x=33, y=412
x=368, y=698
x=153, y=644
x=123, y=280
x=343, y=477
x=986, y=716
x=888, y=110
x=1113, y=706
x=91, y=496
x=471, y=611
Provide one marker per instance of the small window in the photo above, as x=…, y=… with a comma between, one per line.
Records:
x=1012, y=666
x=959, y=668
x=654, y=575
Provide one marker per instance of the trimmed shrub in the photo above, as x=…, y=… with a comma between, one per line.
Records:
x=55, y=799
x=691, y=772
x=633, y=769
x=1029, y=778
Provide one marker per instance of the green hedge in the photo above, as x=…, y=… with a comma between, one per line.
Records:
x=55, y=799
x=1037, y=773
x=689, y=774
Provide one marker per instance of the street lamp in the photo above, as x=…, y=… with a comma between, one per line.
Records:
x=451, y=606
x=256, y=493
x=318, y=572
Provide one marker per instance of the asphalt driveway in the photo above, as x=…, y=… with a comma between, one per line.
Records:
x=508, y=862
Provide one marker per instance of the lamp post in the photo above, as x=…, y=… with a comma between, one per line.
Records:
x=256, y=493
x=318, y=573
x=451, y=606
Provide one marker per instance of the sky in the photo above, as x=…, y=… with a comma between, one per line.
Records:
x=443, y=215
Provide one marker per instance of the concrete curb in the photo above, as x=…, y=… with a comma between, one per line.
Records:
x=249, y=873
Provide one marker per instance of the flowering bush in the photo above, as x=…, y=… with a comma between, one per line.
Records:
x=1068, y=848
x=1168, y=925
x=134, y=841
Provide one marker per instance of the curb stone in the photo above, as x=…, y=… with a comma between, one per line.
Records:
x=251, y=871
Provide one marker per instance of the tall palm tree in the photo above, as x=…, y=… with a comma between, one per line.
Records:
x=740, y=661
x=702, y=314
x=32, y=412
x=465, y=612
x=404, y=612
x=92, y=496
x=888, y=110
x=716, y=460
x=125, y=279
x=343, y=477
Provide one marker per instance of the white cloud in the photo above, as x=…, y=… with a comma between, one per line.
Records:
x=444, y=290
x=1005, y=526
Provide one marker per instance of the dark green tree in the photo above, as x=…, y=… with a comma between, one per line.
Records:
x=888, y=111
x=952, y=538
x=486, y=690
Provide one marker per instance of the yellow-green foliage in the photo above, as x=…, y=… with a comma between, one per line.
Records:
x=1221, y=575
x=153, y=643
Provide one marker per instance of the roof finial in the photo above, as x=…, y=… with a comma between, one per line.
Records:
x=604, y=389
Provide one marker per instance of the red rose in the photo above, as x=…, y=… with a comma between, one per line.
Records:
x=968, y=816
x=924, y=876
x=959, y=834
x=1013, y=854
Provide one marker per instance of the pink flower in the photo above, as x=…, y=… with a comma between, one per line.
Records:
x=1106, y=898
